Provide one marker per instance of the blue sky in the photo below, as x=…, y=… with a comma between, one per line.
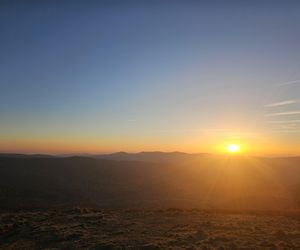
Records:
x=148, y=75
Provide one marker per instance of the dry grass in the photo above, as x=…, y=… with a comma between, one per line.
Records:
x=139, y=229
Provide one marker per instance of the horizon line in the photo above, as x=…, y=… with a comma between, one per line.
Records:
x=139, y=152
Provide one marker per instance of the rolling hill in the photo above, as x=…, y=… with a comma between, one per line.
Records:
x=150, y=180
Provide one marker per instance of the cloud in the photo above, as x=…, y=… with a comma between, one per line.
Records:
x=283, y=122
x=287, y=102
x=284, y=113
x=287, y=131
x=289, y=83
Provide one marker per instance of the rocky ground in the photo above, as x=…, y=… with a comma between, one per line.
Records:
x=82, y=228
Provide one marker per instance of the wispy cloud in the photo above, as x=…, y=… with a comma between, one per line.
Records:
x=289, y=83
x=286, y=131
x=283, y=122
x=296, y=112
x=287, y=102
x=285, y=126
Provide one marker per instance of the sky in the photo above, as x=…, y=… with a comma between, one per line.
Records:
x=192, y=76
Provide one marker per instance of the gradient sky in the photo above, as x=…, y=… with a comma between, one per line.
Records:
x=106, y=76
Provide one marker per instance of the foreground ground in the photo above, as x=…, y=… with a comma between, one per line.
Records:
x=160, y=229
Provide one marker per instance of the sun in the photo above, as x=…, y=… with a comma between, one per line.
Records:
x=233, y=148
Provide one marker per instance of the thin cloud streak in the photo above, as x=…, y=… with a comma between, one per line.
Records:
x=284, y=113
x=286, y=131
x=289, y=83
x=283, y=122
x=287, y=102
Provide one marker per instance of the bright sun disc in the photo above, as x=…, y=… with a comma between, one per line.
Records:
x=233, y=148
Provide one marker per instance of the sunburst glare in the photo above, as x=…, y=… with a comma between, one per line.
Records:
x=233, y=148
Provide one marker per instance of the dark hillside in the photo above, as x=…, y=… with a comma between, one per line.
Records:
x=202, y=182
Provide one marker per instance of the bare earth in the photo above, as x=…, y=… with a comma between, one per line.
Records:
x=160, y=229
